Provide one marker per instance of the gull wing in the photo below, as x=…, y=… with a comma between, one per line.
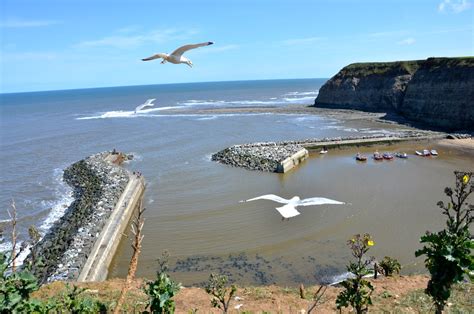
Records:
x=317, y=201
x=157, y=56
x=271, y=197
x=179, y=52
x=288, y=211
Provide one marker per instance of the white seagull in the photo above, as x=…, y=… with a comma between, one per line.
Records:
x=289, y=210
x=176, y=56
x=148, y=103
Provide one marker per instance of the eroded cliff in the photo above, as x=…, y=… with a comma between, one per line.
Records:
x=438, y=92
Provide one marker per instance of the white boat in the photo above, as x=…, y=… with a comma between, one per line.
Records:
x=434, y=152
x=426, y=152
x=323, y=151
x=418, y=153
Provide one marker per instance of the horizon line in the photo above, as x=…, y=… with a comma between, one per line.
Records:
x=199, y=82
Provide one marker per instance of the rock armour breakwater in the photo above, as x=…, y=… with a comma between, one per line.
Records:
x=64, y=250
x=258, y=156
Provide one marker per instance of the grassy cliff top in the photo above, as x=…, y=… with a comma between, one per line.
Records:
x=407, y=67
x=371, y=68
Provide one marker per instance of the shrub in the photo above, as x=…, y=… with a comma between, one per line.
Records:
x=162, y=290
x=357, y=291
x=221, y=294
x=448, y=252
x=390, y=266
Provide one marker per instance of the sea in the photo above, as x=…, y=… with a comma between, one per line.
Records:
x=193, y=208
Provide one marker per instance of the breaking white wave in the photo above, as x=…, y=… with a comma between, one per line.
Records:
x=63, y=198
x=312, y=93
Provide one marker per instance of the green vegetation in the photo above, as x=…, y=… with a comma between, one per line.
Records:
x=390, y=265
x=358, y=290
x=163, y=289
x=448, y=252
x=221, y=294
x=379, y=68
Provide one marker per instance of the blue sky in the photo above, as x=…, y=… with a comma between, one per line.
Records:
x=67, y=44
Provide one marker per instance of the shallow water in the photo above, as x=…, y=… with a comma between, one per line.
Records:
x=193, y=207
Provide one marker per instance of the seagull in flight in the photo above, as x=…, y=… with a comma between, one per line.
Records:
x=289, y=210
x=176, y=56
x=148, y=103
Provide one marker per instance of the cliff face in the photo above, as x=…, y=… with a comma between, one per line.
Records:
x=438, y=91
x=441, y=93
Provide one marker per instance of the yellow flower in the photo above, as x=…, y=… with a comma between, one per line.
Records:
x=465, y=179
x=370, y=243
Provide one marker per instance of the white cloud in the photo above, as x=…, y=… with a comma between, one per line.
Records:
x=455, y=6
x=301, y=41
x=129, y=39
x=21, y=23
x=407, y=41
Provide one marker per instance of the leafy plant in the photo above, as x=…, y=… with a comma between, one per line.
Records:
x=358, y=290
x=15, y=287
x=74, y=301
x=221, y=294
x=163, y=289
x=390, y=265
x=448, y=252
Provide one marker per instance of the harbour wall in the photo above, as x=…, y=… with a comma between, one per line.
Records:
x=284, y=156
x=103, y=191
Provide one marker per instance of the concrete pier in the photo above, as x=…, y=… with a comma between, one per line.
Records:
x=292, y=161
x=103, y=251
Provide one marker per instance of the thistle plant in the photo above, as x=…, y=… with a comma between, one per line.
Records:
x=357, y=289
x=449, y=252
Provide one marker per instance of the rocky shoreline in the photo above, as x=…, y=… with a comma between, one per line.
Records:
x=63, y=251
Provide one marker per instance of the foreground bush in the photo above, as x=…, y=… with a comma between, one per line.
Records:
x=390, y=265
x=449, y=252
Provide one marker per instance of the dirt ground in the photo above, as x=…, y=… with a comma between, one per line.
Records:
x=273, y=299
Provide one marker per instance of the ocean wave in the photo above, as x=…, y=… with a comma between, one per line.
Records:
x=315, y=93
x=63, y=198
x=298, y=99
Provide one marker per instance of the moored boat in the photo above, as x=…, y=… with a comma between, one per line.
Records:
x=401, y=155
x=418, y=153
x=378, y=156
x=434, y=152
x=361, y=157
x=426, y=153
x=387, y=156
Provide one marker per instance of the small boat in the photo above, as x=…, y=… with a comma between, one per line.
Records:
x=418, y=153
x=401, y=155
x=360, y=157
x=387, y=156
x=426, y=153
x=377, y=156
x=434, y=152
x=323, y=151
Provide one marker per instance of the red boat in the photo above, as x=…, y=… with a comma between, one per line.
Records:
x=377, y=156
